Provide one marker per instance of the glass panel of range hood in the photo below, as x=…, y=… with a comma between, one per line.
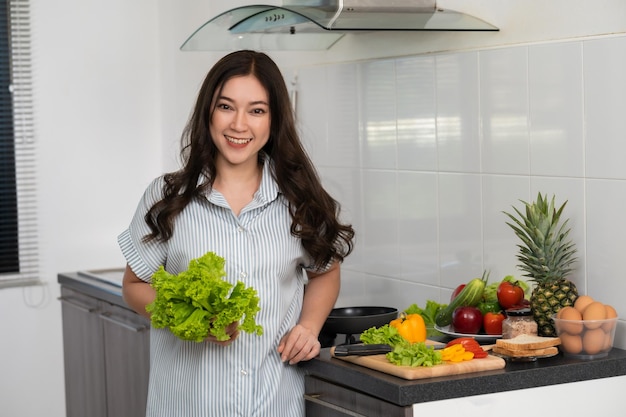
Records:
x=262, y=27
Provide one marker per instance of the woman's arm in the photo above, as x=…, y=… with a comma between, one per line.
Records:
x=301, y=342
x=137, y=293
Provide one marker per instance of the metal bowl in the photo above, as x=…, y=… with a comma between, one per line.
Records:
x=355, y=320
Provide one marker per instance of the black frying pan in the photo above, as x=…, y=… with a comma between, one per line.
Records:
x=355, y=320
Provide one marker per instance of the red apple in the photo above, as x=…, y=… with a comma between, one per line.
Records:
x=467, y=320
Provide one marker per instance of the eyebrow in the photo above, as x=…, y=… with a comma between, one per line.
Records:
x=252, y=103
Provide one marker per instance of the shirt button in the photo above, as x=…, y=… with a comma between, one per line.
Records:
x=243, y=372
x=243, y=274
x=240, y=229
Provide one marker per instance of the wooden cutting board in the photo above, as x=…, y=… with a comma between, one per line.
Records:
x=381, y=364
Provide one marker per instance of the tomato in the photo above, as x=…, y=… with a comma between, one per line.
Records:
x=468, y=320
x=509, y=294
x=457, y=291
x=492, y=323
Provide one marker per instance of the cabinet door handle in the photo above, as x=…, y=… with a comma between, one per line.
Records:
x=314, y=398
x=134, y=328
x=80, y=306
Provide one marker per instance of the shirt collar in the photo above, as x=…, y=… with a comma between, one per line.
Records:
x=268, y=188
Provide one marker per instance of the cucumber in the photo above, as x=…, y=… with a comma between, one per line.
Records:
x=470, y=295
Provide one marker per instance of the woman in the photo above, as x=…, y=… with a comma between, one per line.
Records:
x=248, y=192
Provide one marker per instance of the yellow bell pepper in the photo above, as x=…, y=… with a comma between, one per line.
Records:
x=456, y=353
x=411, y=327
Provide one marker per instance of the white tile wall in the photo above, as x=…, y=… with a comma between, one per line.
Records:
x=426, y=152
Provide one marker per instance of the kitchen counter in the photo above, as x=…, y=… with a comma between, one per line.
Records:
x=515, y=376
x=405, y=393
x=109, y=290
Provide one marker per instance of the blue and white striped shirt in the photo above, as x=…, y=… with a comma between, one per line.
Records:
x=246, y=378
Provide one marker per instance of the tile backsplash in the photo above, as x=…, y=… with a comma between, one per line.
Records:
x=426, y=152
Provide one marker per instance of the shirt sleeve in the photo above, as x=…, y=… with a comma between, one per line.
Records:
x=144, y=258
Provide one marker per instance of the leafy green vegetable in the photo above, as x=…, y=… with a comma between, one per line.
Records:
x=198, y=302
x=385, y=335
x=404, y=353
x=415, y=354
x=429, y=312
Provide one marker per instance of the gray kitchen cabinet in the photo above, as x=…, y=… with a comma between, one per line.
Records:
x=325, y=399
x=106, y=353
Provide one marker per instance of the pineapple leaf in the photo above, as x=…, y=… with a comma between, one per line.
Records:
x=545, y=254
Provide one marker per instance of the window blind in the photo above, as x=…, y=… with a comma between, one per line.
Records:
x=19, y=260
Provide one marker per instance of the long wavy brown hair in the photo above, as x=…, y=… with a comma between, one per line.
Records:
x=313, y=211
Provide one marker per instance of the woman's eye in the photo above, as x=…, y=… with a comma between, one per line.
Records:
x=223, y=106
x=258, y=111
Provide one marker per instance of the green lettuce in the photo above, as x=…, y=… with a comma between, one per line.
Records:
x=415, y=354
x=384, y=335
x=198, y=302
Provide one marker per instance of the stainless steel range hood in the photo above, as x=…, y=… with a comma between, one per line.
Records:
x=319, y=24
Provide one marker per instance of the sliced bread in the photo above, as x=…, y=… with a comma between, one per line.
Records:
x=526, y=342
x=549, y=351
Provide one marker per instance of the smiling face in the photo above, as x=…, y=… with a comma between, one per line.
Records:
x=240, y=124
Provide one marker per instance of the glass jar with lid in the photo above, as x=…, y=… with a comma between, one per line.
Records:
x=518, y=321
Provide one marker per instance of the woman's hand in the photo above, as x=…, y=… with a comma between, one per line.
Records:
x=231, y=330
x=299, y=344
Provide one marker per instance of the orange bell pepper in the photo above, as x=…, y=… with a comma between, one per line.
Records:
x=411, y=327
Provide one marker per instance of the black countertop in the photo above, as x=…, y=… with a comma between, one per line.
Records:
x=516, y=375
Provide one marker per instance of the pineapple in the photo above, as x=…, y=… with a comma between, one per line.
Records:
x=546, y=257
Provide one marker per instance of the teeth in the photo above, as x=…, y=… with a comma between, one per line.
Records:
x=237, y=141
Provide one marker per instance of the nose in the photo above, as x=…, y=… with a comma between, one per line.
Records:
x=240, y=121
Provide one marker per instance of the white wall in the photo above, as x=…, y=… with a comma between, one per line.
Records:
x=425, y=152
x=112, y=93
x=96, y=74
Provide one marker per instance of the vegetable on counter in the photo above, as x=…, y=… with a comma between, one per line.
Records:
x=428, y=313
x=199, y=301
x=456, y=292
x=411, y=327
x=456, y=353
x=509, y=294
x=404, y=353
x=467, y=320
x=383, y=335
x=470, y=344
x=492, y=323
x=490, y=293
x=414, y=354
x=489, y=307
x=470, y=296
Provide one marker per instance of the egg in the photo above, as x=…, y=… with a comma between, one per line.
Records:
x=611, y=313
x=570, y=313
x=608, y=341
x=582, y=302
x=594, y=311
x=571, y=343
x=594, y=341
